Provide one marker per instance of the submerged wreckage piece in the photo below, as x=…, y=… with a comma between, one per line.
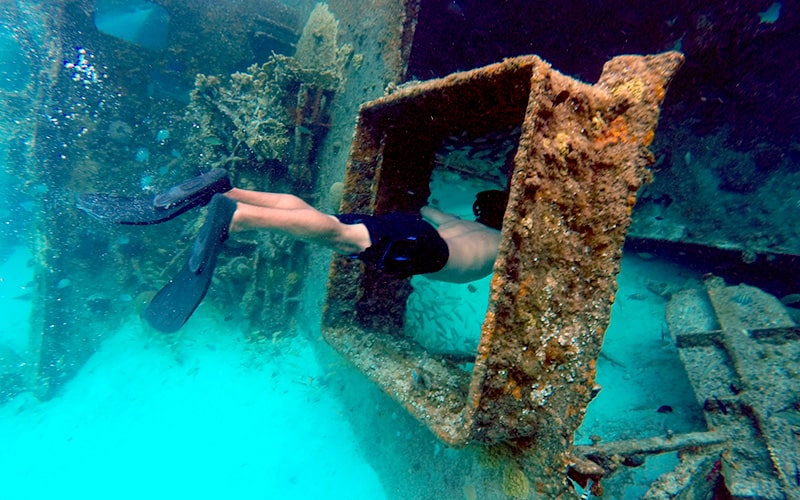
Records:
x=582, y=156
x=740, y=348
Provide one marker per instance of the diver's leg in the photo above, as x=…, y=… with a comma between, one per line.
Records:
x=174, y=304
x=267, y=200
x=306, y=223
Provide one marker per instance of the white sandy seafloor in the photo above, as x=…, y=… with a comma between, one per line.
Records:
x=209, y=416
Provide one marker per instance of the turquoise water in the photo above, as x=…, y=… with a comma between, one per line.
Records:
x=209, y=415
x=205, y=417
x=247, y=400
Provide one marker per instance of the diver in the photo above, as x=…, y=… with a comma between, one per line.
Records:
x=441, y=246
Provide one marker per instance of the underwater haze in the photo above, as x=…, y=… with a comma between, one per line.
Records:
x=107, y=104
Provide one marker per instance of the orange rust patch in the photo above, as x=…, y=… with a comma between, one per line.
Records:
x=617, y=131
x=514, y=389
x=572, y=410
x=660, y=92
x=631, y=203
x=648, y=137
x=554, y=354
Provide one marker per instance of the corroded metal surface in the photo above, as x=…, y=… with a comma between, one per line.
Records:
x=740, y=348
x=582, y=156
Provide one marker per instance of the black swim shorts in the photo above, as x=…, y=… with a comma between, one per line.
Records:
x=402, y=244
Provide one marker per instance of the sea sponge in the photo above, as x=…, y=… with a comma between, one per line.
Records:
x=562, y=143
x=120, y=132
x=493, y=457
x=317, y=49
x=632, y=90
x=335, y=194
x=515, y=482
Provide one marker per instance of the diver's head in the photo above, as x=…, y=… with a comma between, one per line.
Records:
x=489, y=207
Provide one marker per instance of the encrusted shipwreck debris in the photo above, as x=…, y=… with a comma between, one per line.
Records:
x=581, y=158
x=740, y=348
x=271, y=116
x=263, y=124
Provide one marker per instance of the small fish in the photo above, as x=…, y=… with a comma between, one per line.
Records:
x=792, y=300
x=456, y=9
x=743, y=299
x=416, y=379
x=213, y=141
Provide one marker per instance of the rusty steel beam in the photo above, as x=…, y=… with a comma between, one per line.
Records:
x=582, y=156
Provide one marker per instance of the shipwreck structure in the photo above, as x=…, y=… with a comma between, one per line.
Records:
x=582, y=156
x=579, y=155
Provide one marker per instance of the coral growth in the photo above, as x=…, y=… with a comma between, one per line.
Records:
x=493, y=457
x=247, y=112
x=270, y=116
x=515, y=482
x=317, y=49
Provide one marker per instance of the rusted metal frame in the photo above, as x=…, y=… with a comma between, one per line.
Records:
x=582, y=156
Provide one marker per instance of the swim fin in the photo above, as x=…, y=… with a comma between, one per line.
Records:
x=162, y=207
x=174, y=304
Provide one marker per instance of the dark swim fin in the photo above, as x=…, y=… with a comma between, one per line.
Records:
x=161, y=208
x=124, y=210
x=174, y=304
